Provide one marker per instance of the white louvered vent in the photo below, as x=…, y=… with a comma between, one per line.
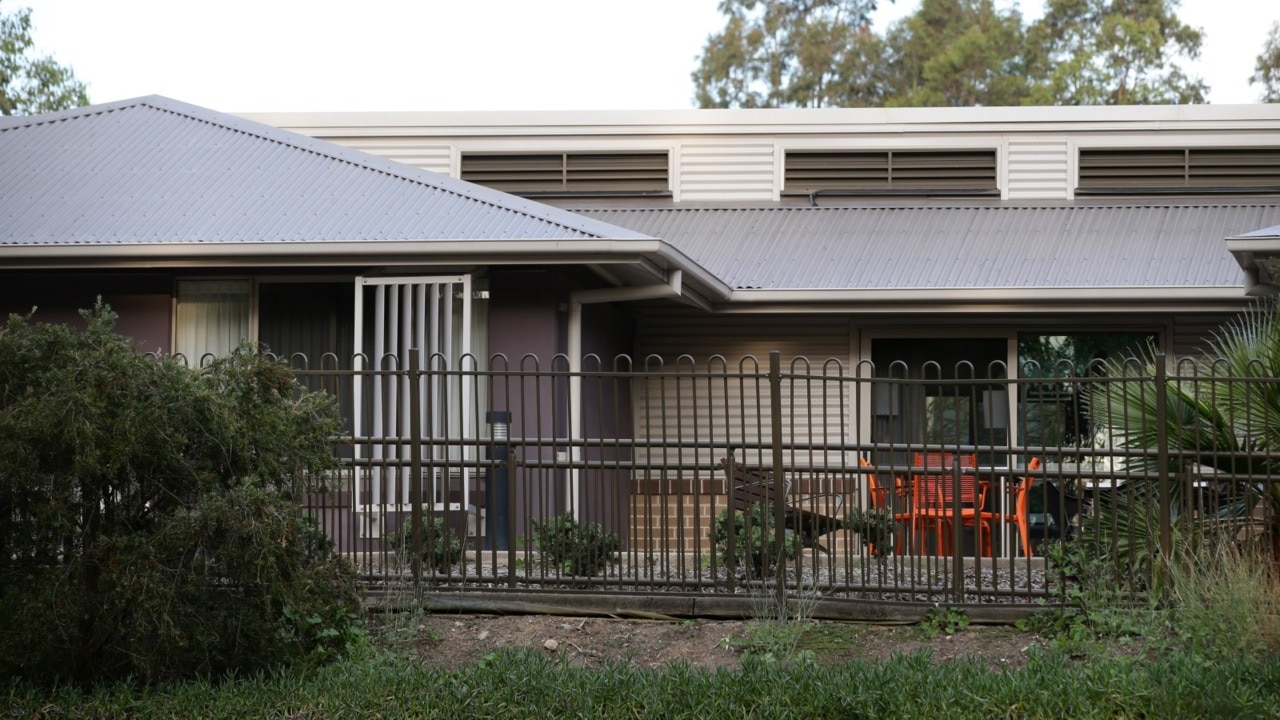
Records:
x=1182, y=170
x=560, y=174
x=910, y=172
x=1038, y=169
x=738, y=172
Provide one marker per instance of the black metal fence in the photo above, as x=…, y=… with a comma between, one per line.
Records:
x=871, y=488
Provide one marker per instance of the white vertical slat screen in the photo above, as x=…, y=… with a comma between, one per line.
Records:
x=431, y=314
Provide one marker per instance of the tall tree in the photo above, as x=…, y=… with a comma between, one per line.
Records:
x=1112, y=52
x=1267, y=70
x=823, y=53
x=32, y=84
x=956, y=53
x=789, y=53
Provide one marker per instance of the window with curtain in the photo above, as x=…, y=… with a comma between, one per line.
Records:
x=212, y=318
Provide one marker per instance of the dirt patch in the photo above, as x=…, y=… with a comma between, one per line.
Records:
x=452, y=641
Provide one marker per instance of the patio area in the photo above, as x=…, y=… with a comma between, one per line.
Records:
x=682, y=529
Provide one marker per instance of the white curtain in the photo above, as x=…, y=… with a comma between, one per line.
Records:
x=212, y=318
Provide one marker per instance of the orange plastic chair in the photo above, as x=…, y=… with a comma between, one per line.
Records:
x=1021, y=501
x=932, y=501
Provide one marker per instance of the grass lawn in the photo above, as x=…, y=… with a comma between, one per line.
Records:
x=519, y=683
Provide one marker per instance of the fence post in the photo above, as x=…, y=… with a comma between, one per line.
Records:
x=510, y=462
x=415, y=465
x=957, y=557
x=779, y=483
x=1162, y=457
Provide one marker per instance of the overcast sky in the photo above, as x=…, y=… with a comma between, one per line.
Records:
x=296, y=55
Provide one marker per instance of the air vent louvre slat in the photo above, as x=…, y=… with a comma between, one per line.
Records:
x=880, y=172
x=1193, y=170
x=570, y=173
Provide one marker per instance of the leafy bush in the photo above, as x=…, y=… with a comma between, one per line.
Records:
x=753, y=543
x=153, y=527
x=875, y=527
x=573, y=547
x=441, y=547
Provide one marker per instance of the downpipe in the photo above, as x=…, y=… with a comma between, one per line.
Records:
x=671, y=289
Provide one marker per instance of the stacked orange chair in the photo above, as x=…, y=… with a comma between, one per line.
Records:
x=933, y=501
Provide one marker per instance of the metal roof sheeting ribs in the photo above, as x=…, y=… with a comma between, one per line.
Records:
x=1051, y=245
x=154, y=170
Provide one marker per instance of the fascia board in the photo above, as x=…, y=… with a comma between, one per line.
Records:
x=1010, y=310
x=650, y=252
x=305, y=250
x=995, y=293
x=792, y=120
x=1002, y=297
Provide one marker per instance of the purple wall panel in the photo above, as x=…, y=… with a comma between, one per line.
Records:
x=143, y=301
x=608, y=331
x=526, y=326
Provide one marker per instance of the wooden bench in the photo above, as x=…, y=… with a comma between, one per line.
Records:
x=747, y=488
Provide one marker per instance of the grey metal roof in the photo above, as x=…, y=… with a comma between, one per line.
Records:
x=1263, y=233
x=1141, y=245
x=155, y=170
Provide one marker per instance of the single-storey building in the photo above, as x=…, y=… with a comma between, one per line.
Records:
x=893, y=242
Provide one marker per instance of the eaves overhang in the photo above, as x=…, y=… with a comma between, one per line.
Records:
x=1258, y=254
x=646, y=260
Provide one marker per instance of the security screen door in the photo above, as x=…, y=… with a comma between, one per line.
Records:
x=394, y=315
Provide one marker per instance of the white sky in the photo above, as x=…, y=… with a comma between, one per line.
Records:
x=308, y=55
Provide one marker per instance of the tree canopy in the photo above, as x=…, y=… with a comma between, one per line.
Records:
x=1111, y=52
x=1267, y=70
x=29, y=83
x=824, y=53
x=798, y=53
x=955, y=53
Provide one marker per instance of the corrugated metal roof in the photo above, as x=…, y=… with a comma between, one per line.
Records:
x=155, y=170
x=1263, y=233
x=1174, y=244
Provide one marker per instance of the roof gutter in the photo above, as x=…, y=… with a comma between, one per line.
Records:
x=923, y=295
x=1257, y=256
x=672, y=288
x=76, y=253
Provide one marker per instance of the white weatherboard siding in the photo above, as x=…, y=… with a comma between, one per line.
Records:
x=688, y=402
x=412, y=151
x=733, y=156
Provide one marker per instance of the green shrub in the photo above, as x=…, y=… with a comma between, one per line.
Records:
x=441, y=547
x=875, y=527
x=753, y=542
x=153, y=524
x=573, y=547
